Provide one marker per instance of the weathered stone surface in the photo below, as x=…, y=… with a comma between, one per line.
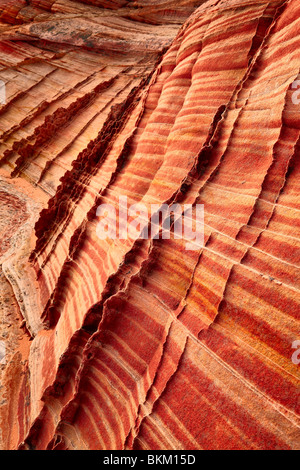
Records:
x=141, y=344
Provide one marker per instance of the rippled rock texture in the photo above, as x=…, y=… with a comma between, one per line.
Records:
x=136, y=343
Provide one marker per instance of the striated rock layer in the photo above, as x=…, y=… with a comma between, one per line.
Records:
x=138, y=343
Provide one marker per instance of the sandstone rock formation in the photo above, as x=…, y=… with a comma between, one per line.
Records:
x=137, y=343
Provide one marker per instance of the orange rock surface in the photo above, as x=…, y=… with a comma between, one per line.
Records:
x=140, y=343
